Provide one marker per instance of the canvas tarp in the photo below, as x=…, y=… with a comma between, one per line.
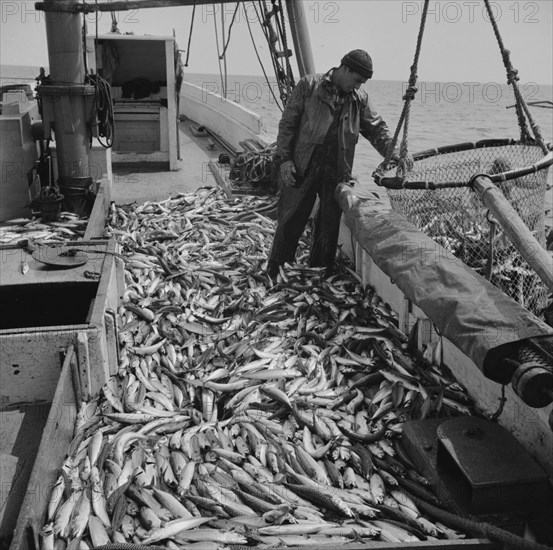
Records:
x=465, y=308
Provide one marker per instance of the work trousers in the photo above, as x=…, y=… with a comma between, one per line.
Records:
x=295, y=205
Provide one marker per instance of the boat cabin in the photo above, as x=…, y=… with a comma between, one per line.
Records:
x=142, y=72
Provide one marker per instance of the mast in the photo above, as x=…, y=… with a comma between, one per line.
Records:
x=300, y=35
x=64, y=98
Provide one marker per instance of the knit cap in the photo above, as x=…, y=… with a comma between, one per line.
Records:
x=360, y=62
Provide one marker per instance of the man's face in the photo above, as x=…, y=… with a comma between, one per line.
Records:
x=351, y=81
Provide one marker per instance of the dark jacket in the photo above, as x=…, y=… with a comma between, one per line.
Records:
x=308, y=116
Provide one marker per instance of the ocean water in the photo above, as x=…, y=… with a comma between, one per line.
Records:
x=442, y=113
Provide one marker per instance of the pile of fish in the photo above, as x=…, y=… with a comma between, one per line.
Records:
x=245, y=413
x=456, y=220
x=21, y=230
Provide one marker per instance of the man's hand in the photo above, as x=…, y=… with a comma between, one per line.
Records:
x=288, y=173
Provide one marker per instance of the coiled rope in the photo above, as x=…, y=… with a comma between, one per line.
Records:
x=104, y=109
x=253, y=167
x=102, y=97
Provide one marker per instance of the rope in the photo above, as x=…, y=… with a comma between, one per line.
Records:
x=408, y=97
x=114, y=27
x=104, y=110
x=230, y=28
x=253, y=167
x=190, y=34
x=512, y=78
x=102, y=100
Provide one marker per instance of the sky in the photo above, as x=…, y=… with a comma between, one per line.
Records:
x=458, y=43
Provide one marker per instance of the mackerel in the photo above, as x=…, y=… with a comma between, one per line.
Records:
x=174, y=528
x=322, y=498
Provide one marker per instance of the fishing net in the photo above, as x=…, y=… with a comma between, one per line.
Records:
x=435, y=193
x=436, y=197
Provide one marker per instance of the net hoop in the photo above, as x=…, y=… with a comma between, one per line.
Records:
x=400, y=182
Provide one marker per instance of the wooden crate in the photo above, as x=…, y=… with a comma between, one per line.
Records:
x=29, y=352
x=56, y=436
x=39, y=391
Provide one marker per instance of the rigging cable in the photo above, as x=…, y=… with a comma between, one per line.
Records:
x=223, y=90
x=223, y=56
x=259, y=59
x=275, y=38
x=84, y=32
x=114, y=23
x=276, y=69
x=190, y=34
x=271, y=38
x=289, y=80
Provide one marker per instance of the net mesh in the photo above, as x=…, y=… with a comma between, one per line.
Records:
x=456, y=219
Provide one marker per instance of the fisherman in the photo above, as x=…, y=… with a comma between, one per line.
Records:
x=316, y=142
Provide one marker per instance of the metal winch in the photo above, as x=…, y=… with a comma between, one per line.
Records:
x=479, y=470
x=532, y=379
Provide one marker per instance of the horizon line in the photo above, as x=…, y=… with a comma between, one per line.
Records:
x=274, y=78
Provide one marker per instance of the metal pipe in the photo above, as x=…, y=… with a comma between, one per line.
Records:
x=66, y=62
x=300, y=35
x=526, y=244
x=119, y=5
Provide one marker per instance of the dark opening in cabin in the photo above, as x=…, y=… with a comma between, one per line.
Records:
x=46, y=305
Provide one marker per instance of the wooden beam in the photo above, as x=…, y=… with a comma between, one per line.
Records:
x=509, y=220
x=120, y=5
